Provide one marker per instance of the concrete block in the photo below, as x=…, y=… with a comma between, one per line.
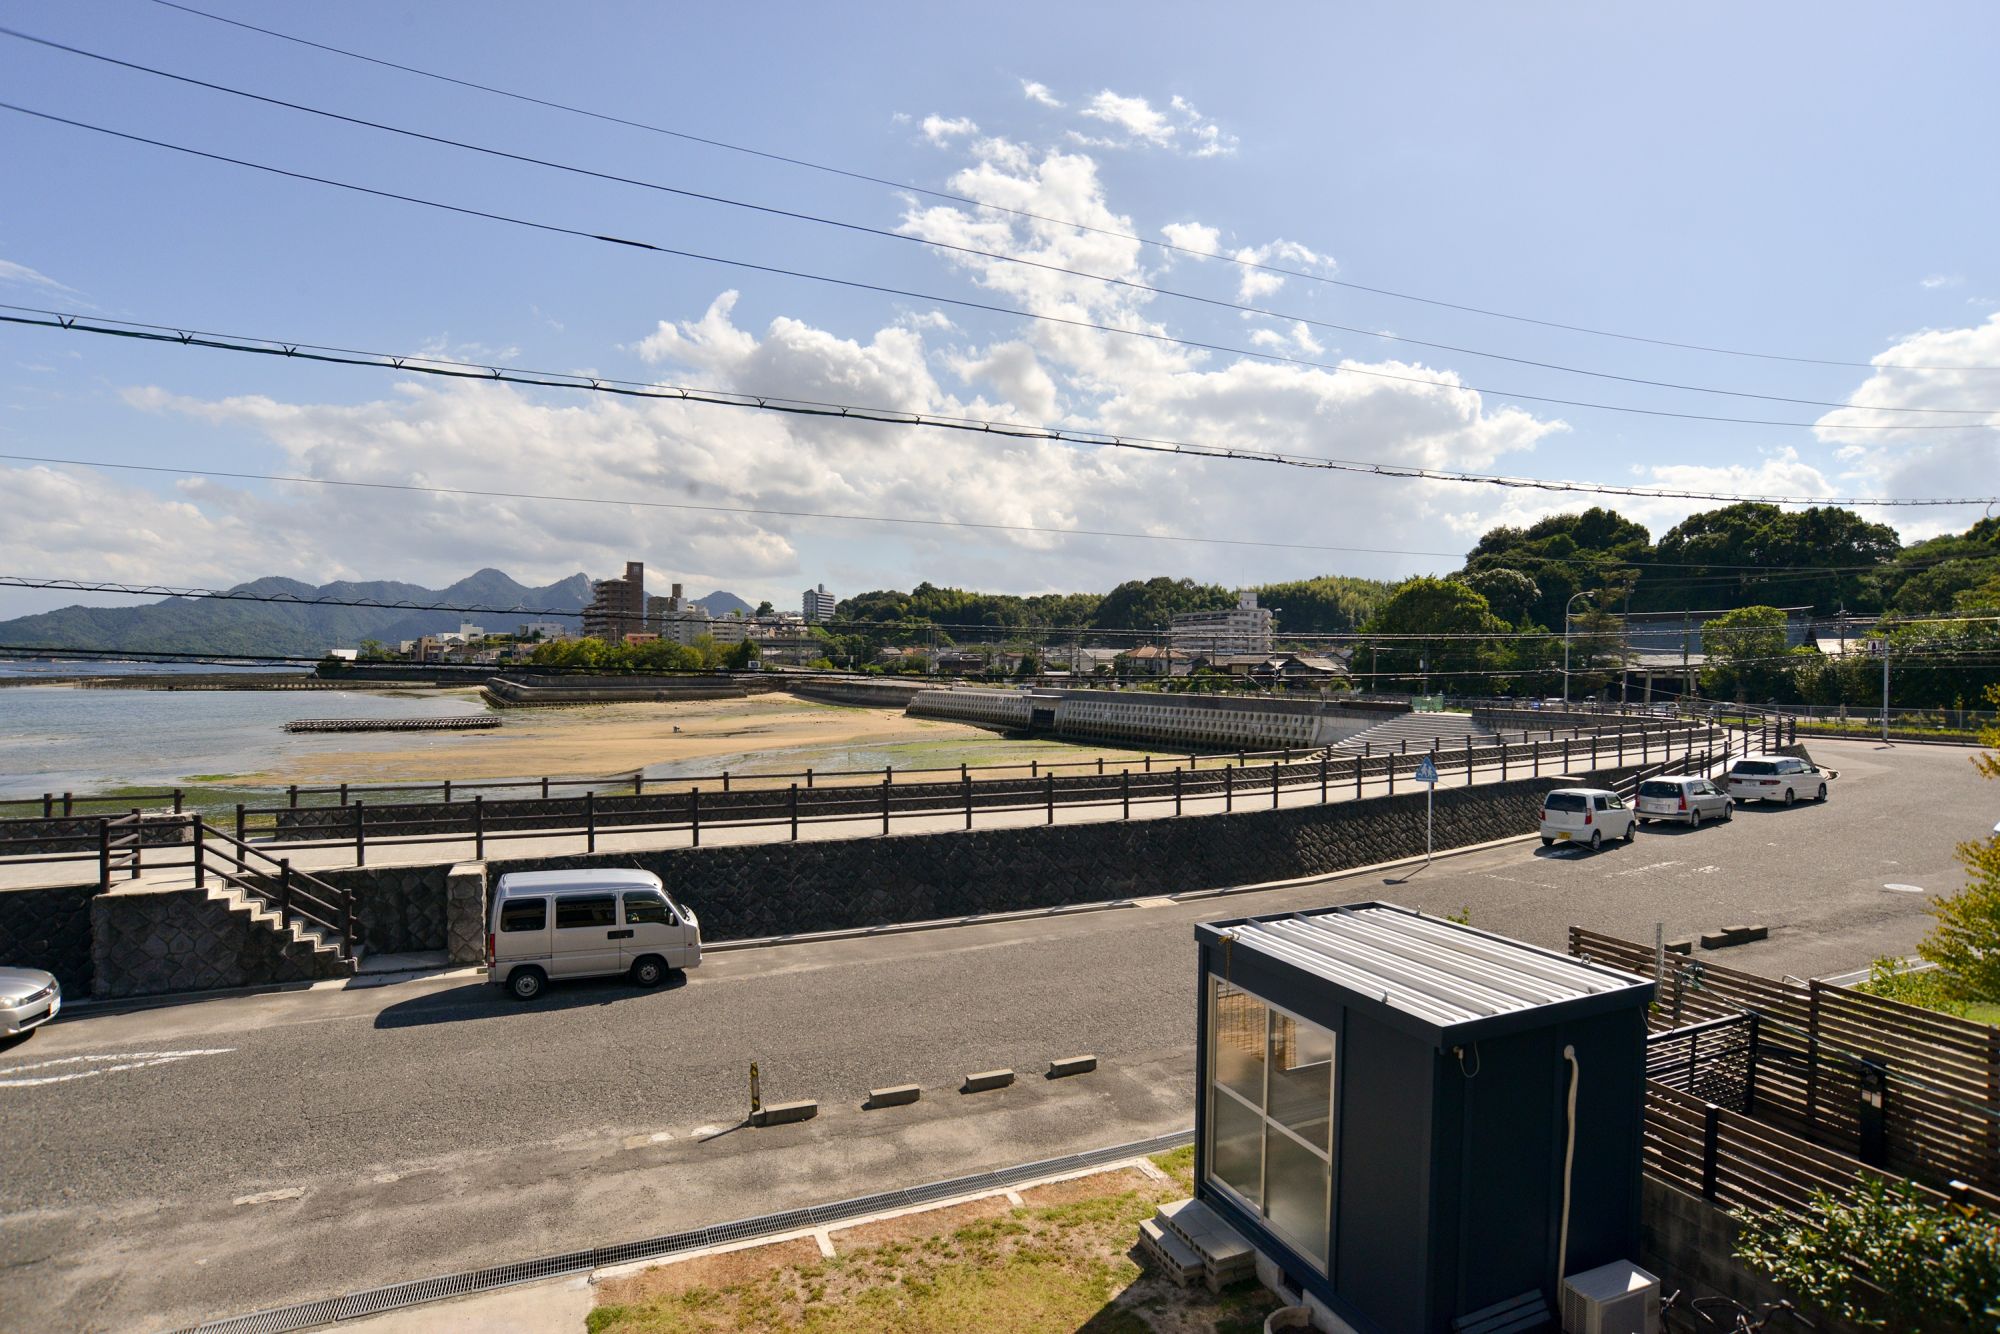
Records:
x=1715, y=940
x=985, y=1080
x=1064, y=1066
x=779, y=1113
x=1743, y=935
x=1685, y=945
x=896, y=1095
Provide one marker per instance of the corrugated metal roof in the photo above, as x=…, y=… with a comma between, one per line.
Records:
x=1435, y=970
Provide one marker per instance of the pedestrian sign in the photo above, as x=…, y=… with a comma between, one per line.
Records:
x=1426, y=771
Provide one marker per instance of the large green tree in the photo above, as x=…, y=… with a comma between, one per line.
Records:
x=1748, y=658
x=1432, y=628
x=1749, y=554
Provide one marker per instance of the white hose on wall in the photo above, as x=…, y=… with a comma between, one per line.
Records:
x=1569, y=1161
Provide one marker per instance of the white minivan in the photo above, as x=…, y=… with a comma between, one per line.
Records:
x=550, y=925
x=1783, y=778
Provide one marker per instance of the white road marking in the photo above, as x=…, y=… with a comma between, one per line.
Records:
x=1706, y=870
x=1905, y=889
x=1654, y=866
x=113, y=1062
x=271, y=1196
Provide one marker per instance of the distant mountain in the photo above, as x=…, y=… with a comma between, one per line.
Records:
x=217, y=625
x=720, y=603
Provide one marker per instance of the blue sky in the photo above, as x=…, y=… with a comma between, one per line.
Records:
x=1812, y=180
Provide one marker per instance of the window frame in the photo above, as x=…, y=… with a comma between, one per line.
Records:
x=1322, y=1264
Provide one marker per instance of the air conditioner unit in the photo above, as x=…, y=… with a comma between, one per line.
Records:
x=1618, y=1298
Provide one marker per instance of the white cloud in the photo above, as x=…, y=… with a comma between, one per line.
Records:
x=10, y=272
x=1937, y=280
x=1193, y=236
x=1136, y=121
x=1038, y=92
x=1253, y=284
x=941, y=131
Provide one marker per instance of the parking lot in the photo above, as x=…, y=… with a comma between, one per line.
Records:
x=193, y=1160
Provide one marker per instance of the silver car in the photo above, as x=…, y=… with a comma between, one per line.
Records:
x=29, y=998
x=1683, y=799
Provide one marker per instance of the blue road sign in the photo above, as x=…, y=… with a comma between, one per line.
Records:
x=1426, y=771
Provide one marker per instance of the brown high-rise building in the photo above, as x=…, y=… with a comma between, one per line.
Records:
x=617, y=606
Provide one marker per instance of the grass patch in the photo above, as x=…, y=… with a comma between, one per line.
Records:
x=1178, y=1164
x=1061, y=1262
x=1925, y=988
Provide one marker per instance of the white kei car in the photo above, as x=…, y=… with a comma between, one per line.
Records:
x=1592, y=815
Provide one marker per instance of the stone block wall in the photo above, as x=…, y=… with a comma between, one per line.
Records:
x=49, y=929
x=401, y=908
x=1688, y=1243
x=786, y=888
x=147, y=944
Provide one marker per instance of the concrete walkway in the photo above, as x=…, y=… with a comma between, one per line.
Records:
x=511, y=845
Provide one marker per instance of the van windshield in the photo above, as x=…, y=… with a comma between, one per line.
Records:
x=1659, y=789
x=1564, y=801
x=1756, y=767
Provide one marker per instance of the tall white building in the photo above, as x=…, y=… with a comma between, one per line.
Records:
x=819, y=604
x=676, y=619
x=1244, y=628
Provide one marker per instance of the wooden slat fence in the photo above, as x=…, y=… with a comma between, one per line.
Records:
x=1941, y=1109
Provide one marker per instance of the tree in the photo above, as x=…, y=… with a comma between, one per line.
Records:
x=1820, y=557
x=1885, y=1257
x=741, y=655
x=765, y=608
x=1464, y=627
x=1746, y=650
x=1508, y=592
x=1965, y=943
x=1151, y=603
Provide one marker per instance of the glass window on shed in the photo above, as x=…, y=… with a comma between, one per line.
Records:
x=524, y=914
x=1270, y=1121
x=586, y=910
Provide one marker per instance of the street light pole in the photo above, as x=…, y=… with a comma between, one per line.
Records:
x=1566, y=606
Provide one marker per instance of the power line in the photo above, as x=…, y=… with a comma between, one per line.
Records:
x=1044, y=266
x=300, y=351
x=1166, y=246
x=988, y=307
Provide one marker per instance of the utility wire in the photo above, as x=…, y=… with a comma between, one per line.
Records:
x=884, y=233
x=1167, y=246
x=565, y=380
x=1147, y=335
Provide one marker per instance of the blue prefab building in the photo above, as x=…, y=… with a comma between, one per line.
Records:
x=1419, y=1124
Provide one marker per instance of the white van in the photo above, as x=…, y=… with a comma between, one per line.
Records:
x=548, y=925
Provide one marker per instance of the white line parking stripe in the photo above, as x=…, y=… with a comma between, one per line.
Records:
x=117, y=1061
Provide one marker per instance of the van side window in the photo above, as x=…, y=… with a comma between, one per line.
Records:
x=524, y=914
x=644, y=907
x=574, y=910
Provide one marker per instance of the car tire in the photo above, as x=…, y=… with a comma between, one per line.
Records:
x=1728, y=811
x=1596, y=839
x=524, y=984
x=1790, y=796
x=1644, y=820
x=1694, y=817
x=649, y=970
x=1822, y=793
x=1548, y=842
x=1631, y=830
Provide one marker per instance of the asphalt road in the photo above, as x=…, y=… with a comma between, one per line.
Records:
x=312, y=1143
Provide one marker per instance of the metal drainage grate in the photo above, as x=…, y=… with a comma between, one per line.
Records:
x=396, y=1296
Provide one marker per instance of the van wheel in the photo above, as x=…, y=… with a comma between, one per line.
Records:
x=649, y=971
x=526, y=983
x=1548, y=842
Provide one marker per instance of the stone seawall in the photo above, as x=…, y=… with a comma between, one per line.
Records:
x=49, y=929
x=787, y=888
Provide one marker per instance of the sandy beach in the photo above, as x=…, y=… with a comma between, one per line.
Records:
x=757, y=734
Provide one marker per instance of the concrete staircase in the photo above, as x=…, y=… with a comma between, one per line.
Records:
x=1190, y=1243
x=1415, y=732
x=311, y=945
